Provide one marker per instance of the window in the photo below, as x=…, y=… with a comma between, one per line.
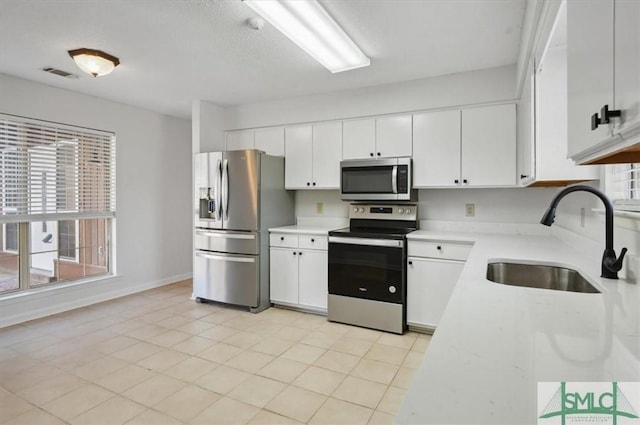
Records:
x=623, y=186
x=58, y=188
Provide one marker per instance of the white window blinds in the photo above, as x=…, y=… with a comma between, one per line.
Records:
x=51, y=171
x=623, y=185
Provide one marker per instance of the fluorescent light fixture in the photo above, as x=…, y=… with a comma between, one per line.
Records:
x=94, y=62
x=308, y=25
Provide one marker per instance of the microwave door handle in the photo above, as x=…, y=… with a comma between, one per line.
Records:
x=394, y=179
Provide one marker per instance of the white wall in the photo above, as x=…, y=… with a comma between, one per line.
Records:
x=153, y=175
x=495, y=84
x=207, y=127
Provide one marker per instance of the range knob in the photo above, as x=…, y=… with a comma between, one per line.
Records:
x=355, y=209
x=408, y=211
x=361, y=210
x=400, y=211
x=392, y=289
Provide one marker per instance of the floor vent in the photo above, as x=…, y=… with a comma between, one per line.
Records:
x=59, y=72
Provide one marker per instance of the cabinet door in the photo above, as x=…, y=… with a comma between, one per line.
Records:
x=358, y=139
x=283, y=275
x=627, y=60
x=526, y=131
x=489, y=146
x=239, y=140
x=327, y=153
x=393, y=136
x=429, y=286
x=313, y=283
x=436, y=149
x=298, y=157
x=270, y=140
x=589, y=70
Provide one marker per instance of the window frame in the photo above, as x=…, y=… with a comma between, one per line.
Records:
x=622, y=192
x=71, y=192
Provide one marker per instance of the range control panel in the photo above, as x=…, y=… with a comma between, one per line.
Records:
x=384, y=212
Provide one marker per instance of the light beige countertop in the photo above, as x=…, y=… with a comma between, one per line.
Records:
x=321, y=230
x=495, y=342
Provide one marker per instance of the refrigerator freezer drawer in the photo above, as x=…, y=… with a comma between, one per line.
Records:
x=227, y=278
x=227, y=241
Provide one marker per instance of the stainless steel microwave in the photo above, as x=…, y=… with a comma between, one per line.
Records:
x=387, y=179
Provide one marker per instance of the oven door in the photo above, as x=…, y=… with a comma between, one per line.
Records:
x=367, y=268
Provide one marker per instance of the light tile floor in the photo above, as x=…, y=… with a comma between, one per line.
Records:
x=158, y=357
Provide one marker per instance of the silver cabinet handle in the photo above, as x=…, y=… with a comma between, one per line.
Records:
x=225, y=235
x=224, y=258
x=366, y=241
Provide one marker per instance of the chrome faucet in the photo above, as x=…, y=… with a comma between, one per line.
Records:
x=610, y=264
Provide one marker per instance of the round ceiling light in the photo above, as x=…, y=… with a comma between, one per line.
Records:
x=94, y=62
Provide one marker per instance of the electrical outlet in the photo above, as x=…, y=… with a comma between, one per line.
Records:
x=469, y=210
x=582, y=215
x=319, y=207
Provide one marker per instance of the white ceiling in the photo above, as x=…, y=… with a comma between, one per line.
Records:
x=174, y=51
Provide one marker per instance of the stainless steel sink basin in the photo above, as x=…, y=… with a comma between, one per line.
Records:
x=539, y=276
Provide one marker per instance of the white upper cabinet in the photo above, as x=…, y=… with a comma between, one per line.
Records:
x=552, y=166
x=313, y=154
x=270, y=140
x=468, y=148
x=382, y=137
x=627, y=61
x=359, y=139
x=590, y=70
x=525, y=144
x=393, y=136
x=603, y=51
x=489, y=146
x=240, y=140
x=327, y=153
x=436, y=149
x=298, y=157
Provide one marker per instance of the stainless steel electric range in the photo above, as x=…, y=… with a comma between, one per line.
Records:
x=368, y=267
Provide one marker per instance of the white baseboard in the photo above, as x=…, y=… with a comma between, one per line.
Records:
x=29, y=306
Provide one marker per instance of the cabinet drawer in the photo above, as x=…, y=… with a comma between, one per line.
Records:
x=283, y=240
x=313, y=242
x=450, y=251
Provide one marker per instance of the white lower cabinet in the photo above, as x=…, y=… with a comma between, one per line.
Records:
x=312, y=278
x=283, y=275
x=431, y=280
x=298, y=273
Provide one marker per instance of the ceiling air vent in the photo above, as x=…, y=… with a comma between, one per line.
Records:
x=59, y=72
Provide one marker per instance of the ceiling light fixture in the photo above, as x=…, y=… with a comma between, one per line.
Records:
x=94, y=62
x=309, y=25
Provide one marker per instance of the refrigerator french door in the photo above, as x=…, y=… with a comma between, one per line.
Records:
x=226, y=265
x=227, y=190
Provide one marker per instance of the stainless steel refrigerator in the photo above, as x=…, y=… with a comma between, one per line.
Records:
x=239, y=195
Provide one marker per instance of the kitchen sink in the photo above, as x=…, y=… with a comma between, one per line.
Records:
x=541, y=276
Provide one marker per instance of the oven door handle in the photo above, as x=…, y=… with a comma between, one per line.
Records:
x=394, y=179
x=366, y=241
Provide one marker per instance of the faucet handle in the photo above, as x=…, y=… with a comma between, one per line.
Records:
x=614, y=264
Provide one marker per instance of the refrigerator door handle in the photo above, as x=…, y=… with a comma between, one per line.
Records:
x=226, y=191
x=225, y=258
x=218, y=191
x=225, y=235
